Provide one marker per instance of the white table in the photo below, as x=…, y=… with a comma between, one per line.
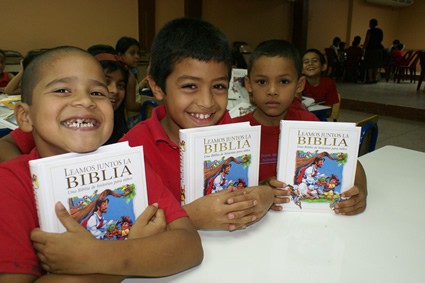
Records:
x=386, y=243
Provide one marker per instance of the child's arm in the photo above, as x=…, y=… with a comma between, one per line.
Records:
x=14, y=85
x=158, y=252
x=8, y=148
x=357, y=195
x=130, y=100
x=225, y=210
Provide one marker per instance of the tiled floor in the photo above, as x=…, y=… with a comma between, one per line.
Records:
x=392, y=130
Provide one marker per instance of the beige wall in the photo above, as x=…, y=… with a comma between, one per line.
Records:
x=166, y=10
x=47, y=23
x=29, y=25
x=329, y=18
x=250, y=20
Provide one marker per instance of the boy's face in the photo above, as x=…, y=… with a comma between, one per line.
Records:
x=196, y=95
x=312, y=66
x=272, y=83
x=116, y=87
x=70, y=109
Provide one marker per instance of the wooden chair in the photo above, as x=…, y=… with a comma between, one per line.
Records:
x=407, y=68
x=148, y=103
x=369, y=134
x=335, y=110
x=422, y=63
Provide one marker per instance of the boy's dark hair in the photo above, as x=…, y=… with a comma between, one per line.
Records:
x=31, y=55
x=336, y=41
x=124, y=43
x=373, y=22
x=101, y=48
x=276, y=48
x=32, y=72
x=186, y=38
x=356, y=41
x=320, y=54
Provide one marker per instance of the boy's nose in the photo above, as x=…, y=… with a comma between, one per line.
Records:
x=272, y=89
x=205, y=99
x=83, y=99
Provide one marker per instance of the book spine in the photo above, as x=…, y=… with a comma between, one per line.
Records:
x=183, y=170
x=43, y=198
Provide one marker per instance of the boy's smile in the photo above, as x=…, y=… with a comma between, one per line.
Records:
x=195, y=96
x=70, y=109
x=311, y=65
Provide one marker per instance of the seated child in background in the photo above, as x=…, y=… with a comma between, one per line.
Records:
x=14, y=85
x=5, y=77
x=274, y=78
x=18, y=142
x=61, y=86
x=190, y=71
x=322, y=89
x=128, y=52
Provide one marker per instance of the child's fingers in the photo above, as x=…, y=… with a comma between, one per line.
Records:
x=66, y=219
x=148, y=214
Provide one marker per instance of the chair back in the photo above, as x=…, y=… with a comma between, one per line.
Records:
x=369, y=134
x=148, y=104
x=421, y=56
x=335, y=110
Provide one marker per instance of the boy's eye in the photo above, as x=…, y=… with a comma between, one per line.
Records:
x=284, y=82
x=221, y=86
x=189, y=86
x=97, y=93
x=261, y=82
x=61, y=90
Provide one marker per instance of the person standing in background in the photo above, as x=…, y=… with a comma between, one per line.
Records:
x=374, y=51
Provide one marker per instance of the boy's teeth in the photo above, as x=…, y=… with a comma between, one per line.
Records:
x=79, y=123
x=200, y=116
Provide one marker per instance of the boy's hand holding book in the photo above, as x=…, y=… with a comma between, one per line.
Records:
x=225, y=210
x=149, y=223
x=54, y=251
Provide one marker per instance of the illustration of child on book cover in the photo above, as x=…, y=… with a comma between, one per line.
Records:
x=108, y=215
x=225, y=173
x=318, y=177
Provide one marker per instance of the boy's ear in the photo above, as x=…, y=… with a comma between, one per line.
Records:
x=300, y=84
x=22, y=116
x=248, y=86
x=156, y=90
x=324, y=67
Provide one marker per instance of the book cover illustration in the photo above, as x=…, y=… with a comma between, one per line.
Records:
x=317, y=177
x=318, y=162
x=103, y=192
x=218, y=158
x=221, y=174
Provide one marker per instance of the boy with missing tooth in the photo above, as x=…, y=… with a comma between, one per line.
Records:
x=66, y=107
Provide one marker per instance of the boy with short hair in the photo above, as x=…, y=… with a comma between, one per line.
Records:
x=319, y=87
x=274, y=78
x=66, y=107
x=190, y=71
